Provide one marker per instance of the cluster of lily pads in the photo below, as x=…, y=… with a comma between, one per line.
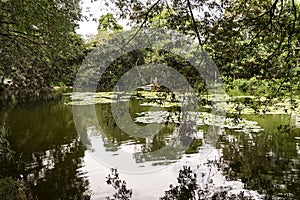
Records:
x=222, y=103
x=161, y=99
x=200, y=118
x=92, y=98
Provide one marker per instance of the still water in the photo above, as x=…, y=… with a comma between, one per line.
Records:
x=60, y=161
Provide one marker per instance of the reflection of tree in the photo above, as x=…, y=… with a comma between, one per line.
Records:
x=171, y=146
x=64, y=181
x=43, y=126
x=159, y=140
x=53, y=174
x=48, y=154
x=168, y=144
x=188, y=187
x=266, y=162
x=122, y=192
x=112, y=135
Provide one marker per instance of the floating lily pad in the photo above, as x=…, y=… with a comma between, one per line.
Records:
x=202, y=118
x=90, y=98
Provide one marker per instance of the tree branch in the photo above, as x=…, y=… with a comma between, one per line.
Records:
x=194, y=23
x=141, y=26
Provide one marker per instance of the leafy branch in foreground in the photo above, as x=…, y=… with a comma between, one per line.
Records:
x=188, y=187
x=39, y=46
x=118, y=184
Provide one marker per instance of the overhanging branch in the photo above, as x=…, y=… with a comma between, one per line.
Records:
x=194, y=23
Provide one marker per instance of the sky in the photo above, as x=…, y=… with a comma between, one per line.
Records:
x=96, y=9
x=93, y=10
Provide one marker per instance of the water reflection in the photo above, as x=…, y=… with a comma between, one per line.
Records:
x=143, y=152
x=48, y=154
x=262, y=158
x=267, y=162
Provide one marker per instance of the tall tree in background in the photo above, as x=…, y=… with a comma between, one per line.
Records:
x=245, y=38
x=108, y=23
x=38, y=42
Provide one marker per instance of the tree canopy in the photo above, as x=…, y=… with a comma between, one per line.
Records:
x=246, y=39
x=39, y=46
x=257, y=39
x=108, y=23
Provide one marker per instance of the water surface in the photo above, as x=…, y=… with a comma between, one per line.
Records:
x=59, y=163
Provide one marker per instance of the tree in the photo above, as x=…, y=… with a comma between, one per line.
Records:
x=38, y=41
x=108, y=23
x=187, y=187
x=107, y=27
x=260, y=36
x=256, y=41
x=245, y=39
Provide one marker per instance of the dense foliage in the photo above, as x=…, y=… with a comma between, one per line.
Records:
x=246, y=39
x=39, y=46
x=108, y=23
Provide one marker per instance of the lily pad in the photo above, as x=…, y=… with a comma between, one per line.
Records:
x=202, y=118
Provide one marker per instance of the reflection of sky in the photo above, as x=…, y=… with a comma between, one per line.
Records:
x=93, y=10
x=153, y=184
x=144, y=178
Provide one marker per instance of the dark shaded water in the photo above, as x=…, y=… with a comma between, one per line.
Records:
x=49, y=154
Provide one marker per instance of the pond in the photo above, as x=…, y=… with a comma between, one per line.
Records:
x=64, y=160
